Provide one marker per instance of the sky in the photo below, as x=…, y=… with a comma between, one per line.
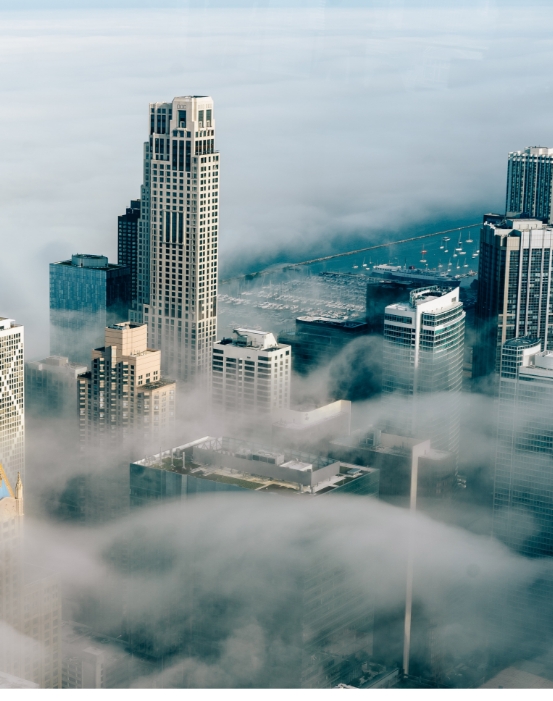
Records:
x=337, y=123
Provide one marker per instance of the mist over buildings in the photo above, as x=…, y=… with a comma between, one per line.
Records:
x=338, y=125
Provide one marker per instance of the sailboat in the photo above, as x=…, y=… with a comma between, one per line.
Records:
x=423, y=253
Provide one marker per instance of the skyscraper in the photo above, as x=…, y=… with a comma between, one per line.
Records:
x=251, y=374
x=124, y=395
x=530, y=182
x=178, y=234
x=514, y=287
x=30, y=603
x=86, y=294
x=422, y=371
x=317, y=340
x=51, y=387
x=129, y=250
x=523, y=485
x=12, y=416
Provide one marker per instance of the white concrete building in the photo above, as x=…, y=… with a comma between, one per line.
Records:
x=422, y=371
x=251, y=374
x=12, y=409
x=177, y=236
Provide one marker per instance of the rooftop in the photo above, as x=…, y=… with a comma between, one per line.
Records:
x=270, y=471
x=252, y=338
x=524, y=341
x=6, y=323
x=86, y=260
x=338, y=323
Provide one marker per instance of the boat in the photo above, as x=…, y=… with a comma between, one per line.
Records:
x=400, y=273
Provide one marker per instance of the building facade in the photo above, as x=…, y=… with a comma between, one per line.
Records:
x=128, y=246
x=251, y=374
x=124, y=396
x=318, y=340
x=422, y=372
x=30, y=602
x=523, y=484
x=529, y=183
x=51, y=387
x=86, y=294
x=12, y=404
x=178, y=236
x=514, y=288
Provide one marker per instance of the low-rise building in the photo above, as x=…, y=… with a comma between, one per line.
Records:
x=328, y=617
x=228, y=464
x=311, y=426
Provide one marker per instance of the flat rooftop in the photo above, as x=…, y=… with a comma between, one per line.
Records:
x=216, y=473
x=178, y=460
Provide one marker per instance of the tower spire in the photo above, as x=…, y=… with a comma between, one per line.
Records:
x=19, y=495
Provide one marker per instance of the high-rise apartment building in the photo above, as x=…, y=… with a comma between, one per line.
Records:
x=12, y=414
x=514, y=287
x=128, y=247
x=422, y=371
x=86, y=294
x=51, y=386
x=523, y=485
x=530, y=183
x=251, y=374
x=178, y=235
x=124, y=394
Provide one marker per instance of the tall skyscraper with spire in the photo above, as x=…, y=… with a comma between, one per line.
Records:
x=178, y=235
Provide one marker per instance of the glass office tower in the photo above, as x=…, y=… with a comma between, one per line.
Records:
x=422, y=371
x=515, y=296
x=86, y=294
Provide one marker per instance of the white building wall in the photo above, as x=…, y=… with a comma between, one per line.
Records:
x=251, y=381
x=12, y=410
x=181, y=200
